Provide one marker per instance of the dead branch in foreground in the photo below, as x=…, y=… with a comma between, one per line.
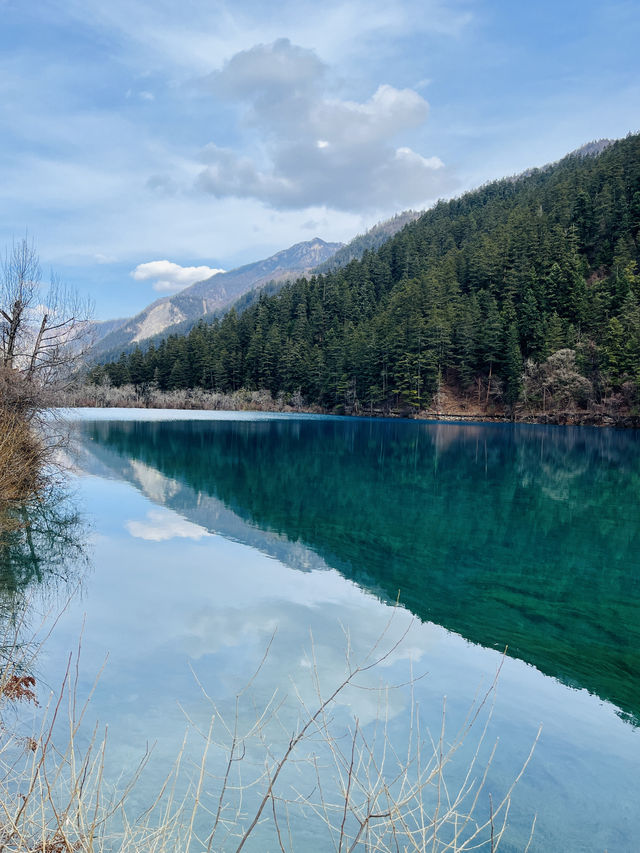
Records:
x=368, y=792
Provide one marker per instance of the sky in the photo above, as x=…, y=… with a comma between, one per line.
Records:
x=145, y=144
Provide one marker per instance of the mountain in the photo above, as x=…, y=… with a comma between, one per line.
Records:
x=523, y=292
x=186, y=308
x=353, y=250
x=103, y=328
x=212, y=295
x=593, y=148
x=371, y=239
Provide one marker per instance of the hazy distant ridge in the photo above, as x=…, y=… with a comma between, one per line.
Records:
x=371, y=239
x=213, y=294
x=240, y=287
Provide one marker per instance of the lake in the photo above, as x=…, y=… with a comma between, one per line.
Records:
x=215, y=536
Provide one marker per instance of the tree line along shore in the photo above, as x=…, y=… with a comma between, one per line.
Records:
x=445, y=406
x=519, y=300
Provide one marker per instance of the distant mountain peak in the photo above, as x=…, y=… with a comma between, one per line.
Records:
x=215, y=294
x=371, y=239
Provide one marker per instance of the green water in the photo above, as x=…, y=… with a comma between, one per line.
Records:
x=518, y=537
x=215, y=535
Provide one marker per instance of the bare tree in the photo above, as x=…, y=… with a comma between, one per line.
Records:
x=556, y=383
x=44, y=329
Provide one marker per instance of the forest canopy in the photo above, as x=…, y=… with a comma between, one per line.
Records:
x=481, y=292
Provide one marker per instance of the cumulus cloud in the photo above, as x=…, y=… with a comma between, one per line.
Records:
x=161, y=525
x=267, y=75
x=316, y=149
x=168, y=277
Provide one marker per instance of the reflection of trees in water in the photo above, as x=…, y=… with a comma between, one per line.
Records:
x=43, y=556
x=554, y=467
x=562, y=462
x=526, y=536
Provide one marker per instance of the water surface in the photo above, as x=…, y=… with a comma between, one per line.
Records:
x=212, y=533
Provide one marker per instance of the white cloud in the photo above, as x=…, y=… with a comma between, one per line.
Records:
x=315, y=149
x=268, y=74
x=162, y=525
x=170, y=277
x=117, y=180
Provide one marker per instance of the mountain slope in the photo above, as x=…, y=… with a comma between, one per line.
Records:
x=215, y=293
x=353, y=250
x=190, y=304
x=526, y=290
x=371, y=239
x=101, y=329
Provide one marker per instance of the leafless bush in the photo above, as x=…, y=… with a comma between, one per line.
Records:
x=43, y=333
x=369, y=794
x=22, y=455
x=128, y=396
x=52, y=799
x=556, y=382
x=631, y=393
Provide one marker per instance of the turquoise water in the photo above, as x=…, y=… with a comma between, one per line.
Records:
x=211, y=534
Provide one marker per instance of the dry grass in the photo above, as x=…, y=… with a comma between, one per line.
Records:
x=368, y=795
x=22, y=458
x=128, y=396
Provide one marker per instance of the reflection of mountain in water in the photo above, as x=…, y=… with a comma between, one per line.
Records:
x=198, y=507
x=518, y=536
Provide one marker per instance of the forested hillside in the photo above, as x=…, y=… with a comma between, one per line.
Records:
x=526, y=289
x=214, y=295
x=371, y=239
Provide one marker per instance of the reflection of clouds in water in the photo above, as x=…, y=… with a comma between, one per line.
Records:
x=311, y=641
x=162, y=525
x=154, y=484
x=213, y=603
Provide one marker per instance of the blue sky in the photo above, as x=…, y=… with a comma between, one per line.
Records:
x=210, y=134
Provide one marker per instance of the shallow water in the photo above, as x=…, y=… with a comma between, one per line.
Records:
x=211, y=533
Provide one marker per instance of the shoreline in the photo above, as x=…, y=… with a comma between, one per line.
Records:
x=563, y=418
x=583, y=418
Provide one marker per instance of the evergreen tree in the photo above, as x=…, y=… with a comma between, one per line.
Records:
x=521, y=267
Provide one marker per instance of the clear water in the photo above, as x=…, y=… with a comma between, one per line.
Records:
x=211, y=533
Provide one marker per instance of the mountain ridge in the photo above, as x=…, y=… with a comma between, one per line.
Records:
x=520, y=293
x=182, y=310
x=213, y=294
